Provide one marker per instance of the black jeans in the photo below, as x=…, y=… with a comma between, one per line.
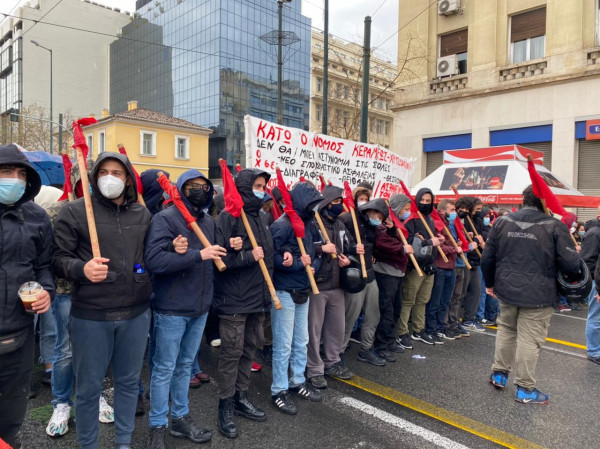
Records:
x=16, y=369
x=241, y=334
x=390, y=302
x=472, y=297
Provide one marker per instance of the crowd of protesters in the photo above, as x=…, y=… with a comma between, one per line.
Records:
x=155, y=287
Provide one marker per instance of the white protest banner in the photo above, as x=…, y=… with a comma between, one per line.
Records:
x=300, y=153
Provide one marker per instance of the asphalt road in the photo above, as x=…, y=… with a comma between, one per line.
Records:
x=443, y=400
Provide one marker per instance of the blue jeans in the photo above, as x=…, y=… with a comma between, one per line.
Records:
x=441, y=294
x=290, y=342
x=488, y=305
x=592, y=328
x=47, y=336
x=62, y=364
x=97, y=344
x=177, y=339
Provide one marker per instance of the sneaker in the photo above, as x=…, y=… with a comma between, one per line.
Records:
x=370, y=357
x=202, y=377
x=437, y=339
x=215, y=343
x=574, y=306
x=386, y=355
x=404, y=341
x=47, y=377
x=462, y=332
x=533, y=396
x=355, y=336
x=486, y=322
x=340, y=371
x=107, y=414
x=447, y=335
x=318, y=382
x=255, y=367
x=594, y=359
x=563, y=308
x=498, y=379
x=185, y=427
x=473, y=326
x=59, y=423
x=140, y=409
x=307, y=391
x=422, y=336
x=283, y=403
x=158, y=437
x=395, y=347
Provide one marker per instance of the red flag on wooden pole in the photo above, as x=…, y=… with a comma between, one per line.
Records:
x=295, y=220
x=67, y=187
x=233, y=200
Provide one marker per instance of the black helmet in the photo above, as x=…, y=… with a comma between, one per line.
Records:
x=351, y=278
x=575, y=290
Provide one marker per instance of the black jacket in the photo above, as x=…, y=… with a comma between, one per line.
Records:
x=241, y=288
x=122, y=230
x=472, y=256
x=183, y=283
x=425, y=252
x=523, y=253
x=590, y=246
x=154, y=195
x=25, y=246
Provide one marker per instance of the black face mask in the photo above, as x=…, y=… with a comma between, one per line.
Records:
x=425, y=208
x=197, y=197
x=335, y=209
x=477, y=214
x=462, y=214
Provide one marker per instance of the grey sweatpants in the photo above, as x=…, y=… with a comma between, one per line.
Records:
x=367, y=299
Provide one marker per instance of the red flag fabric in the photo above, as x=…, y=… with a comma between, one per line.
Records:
x=437, y=220
x=329, y=182
x=397, y=222
x=79, y=139
x=323, y=184
x=138, y=180
x=569, y=219
x=233, y=200
x=460, y=231
x=67, y=187
x=275, y=210
x=542, y=191
x=348, y=198
x=413, y=205
x=295, y=220
x=238, y=168
x=302, y=179
x=176, y=198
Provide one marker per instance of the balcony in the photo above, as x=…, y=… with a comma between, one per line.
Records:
x=523, y=70
x=448, y=84
x=593, y=56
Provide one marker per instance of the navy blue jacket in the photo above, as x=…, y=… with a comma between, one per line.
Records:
x=183, y=283
x=305, y=197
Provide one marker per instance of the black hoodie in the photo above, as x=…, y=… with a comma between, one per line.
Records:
x=153, y=192
x=241, y=288
x=25, y=246
x=425, y=252
x=122, y=229
x=590, y=246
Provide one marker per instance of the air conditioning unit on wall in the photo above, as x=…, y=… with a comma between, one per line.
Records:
x=447, y=66
x=448, y=7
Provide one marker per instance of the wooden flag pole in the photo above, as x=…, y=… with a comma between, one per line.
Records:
x=308, y=268
x=455, y=190
x=432, y=236
x=359, y=241
x=87, y=198
x=462, y=255
x=405, y=242
x=324, y=232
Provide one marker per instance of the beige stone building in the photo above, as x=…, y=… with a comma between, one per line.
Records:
x=502, y=72
x=345, y=92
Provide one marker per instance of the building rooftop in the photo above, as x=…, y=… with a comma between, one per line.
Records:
x=146, y=115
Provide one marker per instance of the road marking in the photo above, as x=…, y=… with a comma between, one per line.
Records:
x=554, y=340
x=484, y=431
x=571, y=316
x=545, y=348
x=407, y=426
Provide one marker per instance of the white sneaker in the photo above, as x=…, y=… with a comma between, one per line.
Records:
x=107, y=414
x=215, y=343
x=59, y=423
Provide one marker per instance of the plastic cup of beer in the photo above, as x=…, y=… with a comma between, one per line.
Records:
x=28, y=293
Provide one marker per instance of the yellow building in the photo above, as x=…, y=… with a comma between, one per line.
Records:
x=345, y=92
x=152, y=140
x=496, y=72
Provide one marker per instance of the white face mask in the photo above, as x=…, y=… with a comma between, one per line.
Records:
x=360, y=203
x=110, y=186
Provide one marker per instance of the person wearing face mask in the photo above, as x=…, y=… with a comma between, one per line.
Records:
x=110, y=295
x=241, y=300
x=26, y=239
x=369, y=216
x=326, y=311
x=361, y=196
x=578, y=232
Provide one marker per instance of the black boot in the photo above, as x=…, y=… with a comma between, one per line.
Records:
x=226, y=424
x=245, y=408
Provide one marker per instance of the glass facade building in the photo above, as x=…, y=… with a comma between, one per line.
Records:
x=204, y=61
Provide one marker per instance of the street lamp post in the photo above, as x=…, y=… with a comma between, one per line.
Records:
x=37, y=44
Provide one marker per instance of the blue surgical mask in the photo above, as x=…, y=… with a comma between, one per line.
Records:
x=374, y=221
x=405, y=215
x=486, y=221
x=581, y=233
x=258, y=194
x=11, y=190
x=452, y=217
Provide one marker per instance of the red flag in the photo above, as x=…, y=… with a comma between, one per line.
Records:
x=233, y=200
x=348, y=198
x=323, y=184
x=302, y=179
x=238, y=168
x=78, y=136
x=138, y=180
x=176, y=198
x=413, y=205
x=542, y=191
x=569, y=219
x=67, y=187
x=295, y=220
x=460, y=232
x=329, y=182
x=437, y=220
x=397, y=222
x=275, y=210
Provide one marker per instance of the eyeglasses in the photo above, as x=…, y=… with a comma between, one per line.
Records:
x=204, y=187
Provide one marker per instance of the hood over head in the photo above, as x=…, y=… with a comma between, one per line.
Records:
x=185, y=177
x=130, y=190
x=359, y=191
x=218, y=189
x=305, y=197
x=153, y=192
x=330, y=193
x=276, y=194
x=377, y=204
x=244, y=182
x=397, y=202
x=11, y=155
x=426, y=210
x=593, y=223
x=219, y=201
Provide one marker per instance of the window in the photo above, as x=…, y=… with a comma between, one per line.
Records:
x=90, y=143
x=182, y=147
x=318, y=113
x=387, y=128
x=379, y=126
x=528, y=35
x=456, y=44
x=147, y=143
x=101, y=142
x=319, y=85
